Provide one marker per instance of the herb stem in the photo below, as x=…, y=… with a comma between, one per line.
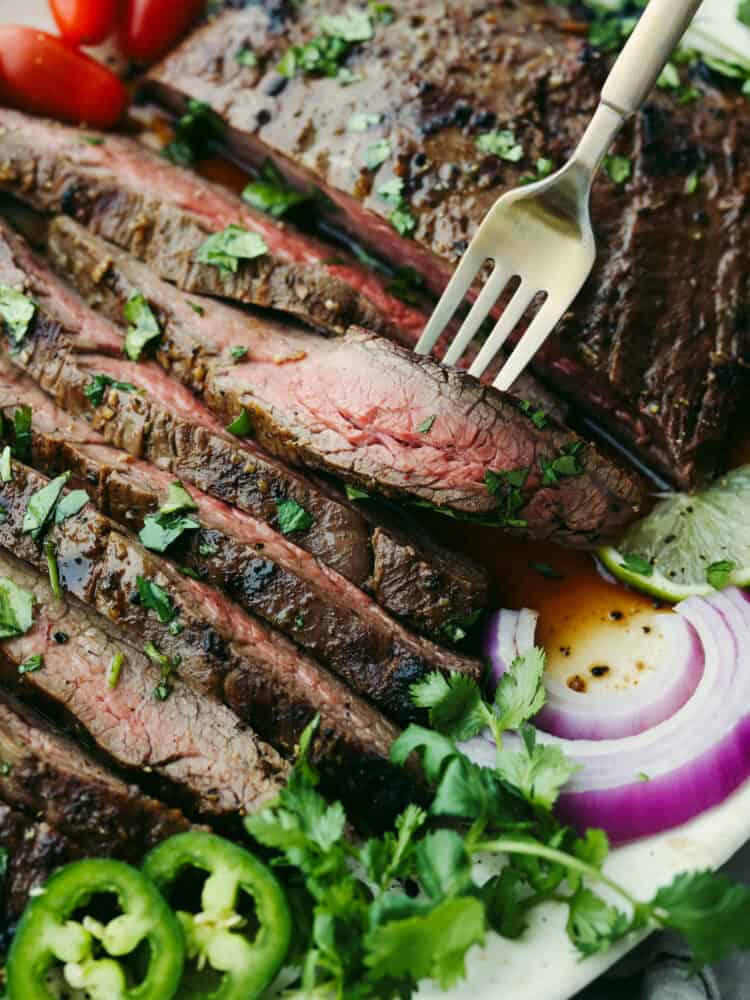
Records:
x=557, y=857
x=52, y=567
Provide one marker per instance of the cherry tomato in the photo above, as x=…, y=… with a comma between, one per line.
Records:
x=44, y=75
x=149, y=27
x=85, y=22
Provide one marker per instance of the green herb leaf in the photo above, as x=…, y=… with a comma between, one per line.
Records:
x=402, y=221
x=361, y=121
x=167, y=668
x=443, y=864
x=436, y=750
x=520, y=692
x=241, y=426
x=178, y=500
x=271, y=194
x=246, y=57
x=691, y=183
x=544, y=168
x=455, y=629
x=711, y=912
x=594, y=925
x=501, y=143
x=356, y=26
x=30, y=666
x=155, y=598
x=17, y=311
x=70, y=505
x=41, y=506
x=53, y=570
x=225, y=249
x=238, y=353
x=92, y=140
x=634, y=563
x=16, y=609
x=743, y=12
x=718, y=573
x=195, y=134
x=356, y=493
x=292, y=517
x=143, y=329
x=377, y=153
x=433, y=945
x=537, y=417
x=383, y=13
x=426, y=425
x=22, y=438
x=94, y=390
x=159, y=531
x=617, y=168
x=6, y=469
x=538, y=771
x=392, y=191
x=455, y=704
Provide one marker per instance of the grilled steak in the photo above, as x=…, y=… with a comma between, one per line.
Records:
x=48, y=776
x=164, y=214
x=407, y=572
x=261, y=570
x=409, y=429
x=657, y=345
x=32, y=851
x=196, y=749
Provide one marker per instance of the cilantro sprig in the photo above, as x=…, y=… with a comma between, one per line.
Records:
x=364, y=935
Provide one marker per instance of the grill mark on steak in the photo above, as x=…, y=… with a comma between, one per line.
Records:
x=196, y=748
x=406, y=570
x=49, y=777
x=656, y=346
x=169, y=233
x=259, y=569
x=353, y=406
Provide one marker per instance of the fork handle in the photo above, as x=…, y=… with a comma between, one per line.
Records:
x=646, y=53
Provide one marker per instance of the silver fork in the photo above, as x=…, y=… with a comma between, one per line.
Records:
x=542, y=233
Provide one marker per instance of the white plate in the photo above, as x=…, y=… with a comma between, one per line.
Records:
x=543, y=965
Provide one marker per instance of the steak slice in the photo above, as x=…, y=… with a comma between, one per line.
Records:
x=46, y=775
x=197, y=750
x=419, y=580
x=657, y=344
x=410, y=429
x=32, y=851
x=260, y=569
x=163, y=214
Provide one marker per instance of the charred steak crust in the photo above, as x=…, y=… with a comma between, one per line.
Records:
x=422, y=582
x=49, y=777
x=354, y=406
x=657, y=344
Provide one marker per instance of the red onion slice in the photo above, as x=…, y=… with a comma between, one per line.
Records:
x=508, y=634
x=653, y=780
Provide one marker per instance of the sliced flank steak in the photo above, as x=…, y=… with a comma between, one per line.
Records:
x=258, y=568
x=48, y=776
x=196, y=750
x=407, y=572
x=164, y=215
x=450, y=105
x=369, y=411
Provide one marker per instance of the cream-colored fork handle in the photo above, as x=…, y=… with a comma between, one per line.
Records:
x=659, y=29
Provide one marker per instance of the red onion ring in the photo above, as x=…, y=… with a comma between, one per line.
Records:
x=651, y=781
x=508, y=634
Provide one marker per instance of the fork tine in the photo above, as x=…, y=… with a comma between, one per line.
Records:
x=539, y=329
x=479, y=312
x=503, y=328
x=450, y=300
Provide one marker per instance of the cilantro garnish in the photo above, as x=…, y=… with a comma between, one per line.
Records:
x=292, y=517
x=241, y=426
x=634, y=563
x=17, y=311
x=356, y=493
x=94, y=390
x=617, y=168
x=377, y=153
x=501, y=143
x=270, y=194
x=544, y=168
x=41, y=506
x=22, y=434
x=426, y=425
x=16, y=609
x=30, y=666
x=195, y=133
x=53, y=570
x=155, y=598
x=324, y=54
x=565, y=464
x=143, y=329
x=227, y=248
x=743, y=12
x=400, y=218
x=114, y=670
x=246, y=57
x=718, y=573
x=167, y=668
x=537, y=417
x=361, y=121
x=171, y=521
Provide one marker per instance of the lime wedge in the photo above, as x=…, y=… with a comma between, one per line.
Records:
x=689, y=544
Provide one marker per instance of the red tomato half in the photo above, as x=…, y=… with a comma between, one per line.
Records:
x=43, y=74
x=149, y=27
x=85, y=22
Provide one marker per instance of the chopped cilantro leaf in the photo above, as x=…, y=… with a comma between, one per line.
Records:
x=743, y=12
x=718, y=573
x=172, y=520
x=22, y=434
x=178, y=500
x=377, y=153
x=361, y=121
x=16, y=609
x=30, y=666
x=196, y=131
x=501, y=143
x=292, y=517
x=17, y=311
x=41, y=506
x=226, y=248
x=238, y=353
x=356, y=493
x=143, y=330
x=426, y=425
x=241, y=426
x=270, y=194
x=634, y=563
x=246, y=57
x=114, y=670
x=617, y=168
x=94, y=390
x=155, y=598
x=692, y=182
